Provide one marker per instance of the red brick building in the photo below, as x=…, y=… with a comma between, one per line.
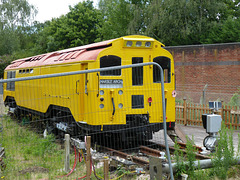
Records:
x=215, y=67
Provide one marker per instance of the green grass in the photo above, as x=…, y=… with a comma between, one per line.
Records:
x=30, y=156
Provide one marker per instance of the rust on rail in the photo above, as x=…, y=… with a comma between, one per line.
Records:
x=126, y=156
x=183, y=145
x=150, y=151
x=172, y=149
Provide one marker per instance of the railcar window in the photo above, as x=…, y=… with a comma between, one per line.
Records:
x=137, y=101
x=11, y=85
x=165, y=63
x=110, y=61
x=25, y=71
x=137, y=72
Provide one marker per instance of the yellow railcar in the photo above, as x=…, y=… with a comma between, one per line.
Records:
x=107, y=101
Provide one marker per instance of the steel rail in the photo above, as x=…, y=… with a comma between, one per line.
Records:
x=172, y=149
x=126, y=156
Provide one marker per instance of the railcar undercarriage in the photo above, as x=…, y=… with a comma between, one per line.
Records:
x=59, y=121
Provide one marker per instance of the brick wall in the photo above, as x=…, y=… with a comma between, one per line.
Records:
x=217, y=65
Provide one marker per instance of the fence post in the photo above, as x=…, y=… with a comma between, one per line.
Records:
x=222, y=111
x=88, y=159
x=106, y=169
x=67, y=153
x=185, y=111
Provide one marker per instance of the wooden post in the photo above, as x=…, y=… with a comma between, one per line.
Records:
x=185, y=111
x=67, y=153
x=88, y=159
x=222, y=110
x=106, y=169
x=233, y=117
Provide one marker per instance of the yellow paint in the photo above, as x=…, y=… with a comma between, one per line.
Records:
x=83, y=98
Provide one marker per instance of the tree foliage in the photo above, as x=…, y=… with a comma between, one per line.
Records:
x=177, y=22
x=78, y=27
x=116, y=15
x=13, y=14
x=173, y=22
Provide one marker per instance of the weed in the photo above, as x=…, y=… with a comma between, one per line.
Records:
x=191, y=157
x=180, y=168
x=224, y=156
x=201, y=173
x=188, y=167
x=238, y=150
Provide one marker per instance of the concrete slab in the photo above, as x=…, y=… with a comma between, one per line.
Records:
x=199, y=133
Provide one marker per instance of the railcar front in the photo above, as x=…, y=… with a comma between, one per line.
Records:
x=128, y=102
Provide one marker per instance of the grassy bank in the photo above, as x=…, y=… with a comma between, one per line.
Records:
x=30, y=156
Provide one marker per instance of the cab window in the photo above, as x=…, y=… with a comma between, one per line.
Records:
x=137, y=72
x=110, y=61
x=165, y=63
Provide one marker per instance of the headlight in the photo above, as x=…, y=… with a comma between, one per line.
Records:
x=120, y=92
x=120, y=105
x=147, y=44
x=101, y=92
x=138, y=44
x=101, y=106
x=129, y=43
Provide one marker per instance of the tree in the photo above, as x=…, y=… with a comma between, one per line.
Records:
x=233, y=8
x=116, y=15
x=78, y=27
x=182, y=21
x=13, y=13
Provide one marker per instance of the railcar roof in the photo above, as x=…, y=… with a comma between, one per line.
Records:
x=81, y=53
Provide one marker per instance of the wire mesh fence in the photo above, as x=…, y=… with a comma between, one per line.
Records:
x=203, y=93
x=120, y=109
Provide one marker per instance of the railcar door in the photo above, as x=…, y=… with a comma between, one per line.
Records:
x=103, y=94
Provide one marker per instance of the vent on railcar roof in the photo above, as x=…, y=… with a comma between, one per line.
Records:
x=62, y=56
x=34, y=58
x=15, y=64
x=99, y=47
x=69, y=55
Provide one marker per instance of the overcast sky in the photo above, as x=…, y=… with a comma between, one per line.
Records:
x=48, y=9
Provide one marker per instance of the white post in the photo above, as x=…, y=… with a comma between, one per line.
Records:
x=67, y=153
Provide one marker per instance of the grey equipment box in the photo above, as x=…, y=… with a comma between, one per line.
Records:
x=213, y=123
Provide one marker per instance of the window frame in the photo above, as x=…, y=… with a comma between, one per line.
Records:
x=106, y=73
x=156, y=70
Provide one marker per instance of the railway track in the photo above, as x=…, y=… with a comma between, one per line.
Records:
x=150, y=149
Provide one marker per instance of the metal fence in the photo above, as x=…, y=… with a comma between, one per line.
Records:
x=203, y=93
x=115, y=114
